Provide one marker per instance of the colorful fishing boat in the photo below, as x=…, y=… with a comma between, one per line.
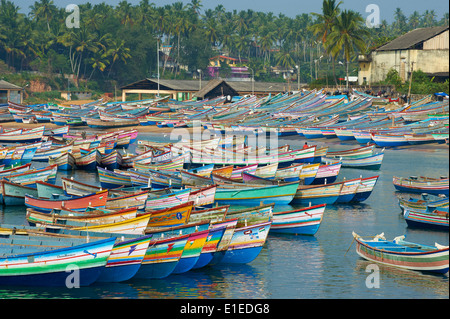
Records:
x=243, y=195
x=303, y=221
x=365, y=188
x=65, y=162
x=161, y=257
x=327, y=173
x=372, y=162
x=89, y=161
x=422, y=184
x=310, y=195
x=348, y=190
x=433, y=218
x=246, y=243
x=38, y=264
x=74, y=203
x=402, y=254
x=113, y=179
x=171, y=199
x=170, y=217
x=13, y=194
x=125, y=259
x=191, y=252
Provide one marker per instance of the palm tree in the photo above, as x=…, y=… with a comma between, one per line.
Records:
x=43, y=10
x=324, y=25
x=348, y=35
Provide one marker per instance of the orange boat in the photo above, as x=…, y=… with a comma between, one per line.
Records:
x=46, y=205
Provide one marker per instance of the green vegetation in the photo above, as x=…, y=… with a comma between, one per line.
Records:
x=117, y=45
x=421, y=83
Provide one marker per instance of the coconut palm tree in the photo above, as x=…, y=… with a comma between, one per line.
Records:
x=324, y=24
x=348, y=34
x=45, y=9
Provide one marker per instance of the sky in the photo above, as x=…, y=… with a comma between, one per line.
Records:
x=289, y=8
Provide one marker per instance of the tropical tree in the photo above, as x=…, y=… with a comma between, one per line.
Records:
x=43, y=10
x=348, y=34
x=324, y=24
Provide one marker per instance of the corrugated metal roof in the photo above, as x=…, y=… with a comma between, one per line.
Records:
x=412, y=38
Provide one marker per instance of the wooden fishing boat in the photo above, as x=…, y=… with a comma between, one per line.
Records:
x=423, y=203
x=103, y=124
x=236, y=174
x=191, y=252
x=252, y=215
x=303, y=221
x=267, y=171
x=365, y=188
x=363, y=151
x=327, y=173
x=111, y=161
x=214, y=214
x=192, y=179
x=48, y=190
x=310, y=195
x=217, y=234
x=75, y=203
x=65, y=162
x=433, y=218
x=290, y=173
x=36, y=264
x=54, y=152
x=30, y=177
x=204, y=171
x=246, y=243
x=348, y=190
x=89, y=161
x=134, y=226
x=372, y=162
x=125, y=259
x=161, y=257
x=225, y=171
x=23, y=136
x=204, y=196
x=174, y=164
x=402, y=254
x=15, y=170
x=281, y=195
x=13, y=194
x=171, y=216
x=389, y=140
x=171, y=199
x=253, y=179
x=308, y=173
x=134, y=200
x=72, y=219
x=422, y=184
x=113, y=179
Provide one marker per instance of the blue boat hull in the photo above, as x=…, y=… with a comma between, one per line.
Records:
x=321, y=180
x=315, y=201
x=303, y=230
x=56, y=279
x=345, y=198
x=360, y=197
x=282, y=200
x=156, y=271
x=241, y=256
x=203, y=260
x=118, y=273
x=428, y=191
x=185, y=264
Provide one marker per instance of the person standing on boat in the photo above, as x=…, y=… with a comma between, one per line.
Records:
x=306, y=145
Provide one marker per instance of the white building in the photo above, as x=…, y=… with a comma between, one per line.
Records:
x=425, y=49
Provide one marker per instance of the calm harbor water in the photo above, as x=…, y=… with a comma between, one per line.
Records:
x=289, y=266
